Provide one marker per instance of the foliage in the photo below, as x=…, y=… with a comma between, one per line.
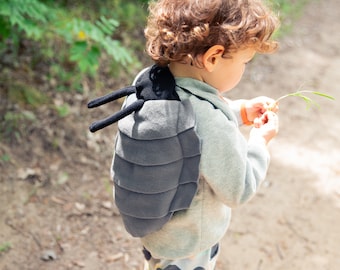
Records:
x=288, y=10
x=67, y=43
x=5, y=158
x=57, y=45
x=63, y=110
x=4, y=247
x=24, y=14
x=23, y=94
x=11, y=123
x=41, y=22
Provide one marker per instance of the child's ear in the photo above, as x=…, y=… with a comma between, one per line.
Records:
x=211, y=57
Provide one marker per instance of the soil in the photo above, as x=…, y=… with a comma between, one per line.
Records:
x=56, y=204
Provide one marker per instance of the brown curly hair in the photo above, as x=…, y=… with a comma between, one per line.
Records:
x=177, y=29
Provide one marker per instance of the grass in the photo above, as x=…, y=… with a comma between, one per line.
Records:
x=302, y=94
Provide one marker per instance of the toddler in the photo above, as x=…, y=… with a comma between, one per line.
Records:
x=206, y=45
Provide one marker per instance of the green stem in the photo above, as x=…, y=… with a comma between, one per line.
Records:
x=300, y=94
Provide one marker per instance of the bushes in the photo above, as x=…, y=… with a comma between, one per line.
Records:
x=82, y=41
x=62, y=45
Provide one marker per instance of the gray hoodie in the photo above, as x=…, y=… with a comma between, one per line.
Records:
x=231, y=171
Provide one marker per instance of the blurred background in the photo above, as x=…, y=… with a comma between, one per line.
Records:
x=56, y=204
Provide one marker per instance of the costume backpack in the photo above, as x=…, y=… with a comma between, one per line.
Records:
x=155, y=166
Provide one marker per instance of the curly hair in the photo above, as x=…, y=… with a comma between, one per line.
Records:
x=177, y=29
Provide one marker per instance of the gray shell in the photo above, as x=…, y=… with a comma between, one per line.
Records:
x=156, y=164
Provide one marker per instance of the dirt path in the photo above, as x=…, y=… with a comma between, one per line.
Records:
x=56, y=207
x=294, y=223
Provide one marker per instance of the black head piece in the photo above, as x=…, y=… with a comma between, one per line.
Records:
x=156, y=83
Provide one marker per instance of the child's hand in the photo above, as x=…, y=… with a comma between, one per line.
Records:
x=256, y=107
x=266, y=126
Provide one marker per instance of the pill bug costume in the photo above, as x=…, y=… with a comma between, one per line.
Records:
x=157, y=151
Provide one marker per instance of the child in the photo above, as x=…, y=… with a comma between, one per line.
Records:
x=206, y=45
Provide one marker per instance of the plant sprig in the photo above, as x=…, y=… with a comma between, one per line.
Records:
x=308, y=100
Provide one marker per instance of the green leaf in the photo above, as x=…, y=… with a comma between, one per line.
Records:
x=4, y=28
x=309, y=101
x=107, y=26
x=93, y=55
x=323, y=95
x=78, y=50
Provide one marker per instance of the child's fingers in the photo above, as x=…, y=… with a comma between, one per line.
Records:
x=269, y=117
x=257, y=122
x=274, y=107
x=266, y=126
x=273, y=120
x=260, y=120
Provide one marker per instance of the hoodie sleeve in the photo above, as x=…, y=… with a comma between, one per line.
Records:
x=236, y=108
x=233, y=166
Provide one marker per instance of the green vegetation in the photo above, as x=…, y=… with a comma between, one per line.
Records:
x=289, y=11
x=63, y=33
x=302, y=94
x=5, y=247
x=72, y=46
x=5, y=158
x=57, y=45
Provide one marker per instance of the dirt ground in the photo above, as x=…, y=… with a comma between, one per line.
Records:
x=56, y=205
